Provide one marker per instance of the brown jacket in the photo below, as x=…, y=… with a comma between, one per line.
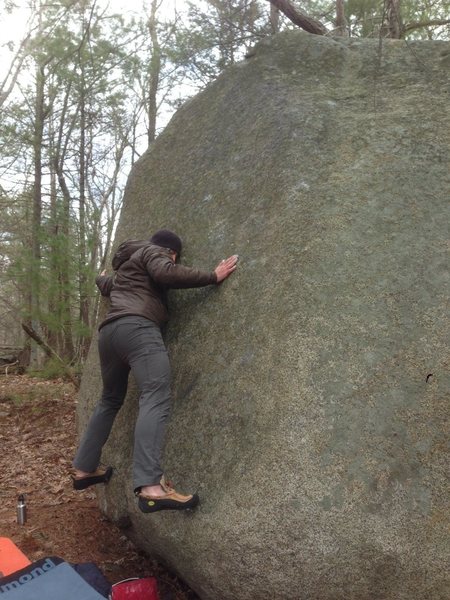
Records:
x=140, y=285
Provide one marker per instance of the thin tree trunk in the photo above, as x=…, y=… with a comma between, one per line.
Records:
x=66, y=282
x=274, y=19
x=155, y=70
x=64, y=277
x=36, y=219
x=341, y=23
x=53, y=334
x=82, y=278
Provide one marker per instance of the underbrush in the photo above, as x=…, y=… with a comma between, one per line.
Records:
x=22, y=389
x=53, y=369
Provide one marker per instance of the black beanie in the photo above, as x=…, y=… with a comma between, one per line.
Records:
x=167, y=239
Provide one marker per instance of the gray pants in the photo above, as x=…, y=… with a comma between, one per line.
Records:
x=131, y=343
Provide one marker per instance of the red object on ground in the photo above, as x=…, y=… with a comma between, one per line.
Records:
x=145, y=588
x=11, y=558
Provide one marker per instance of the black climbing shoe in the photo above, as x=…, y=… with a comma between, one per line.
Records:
x=100, y=476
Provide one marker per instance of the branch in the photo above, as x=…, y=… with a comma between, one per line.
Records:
x=420, y=24
x=8, y=365
x=14, y=71
x=299, y=18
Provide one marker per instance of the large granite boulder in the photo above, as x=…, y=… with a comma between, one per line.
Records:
x=310, y=389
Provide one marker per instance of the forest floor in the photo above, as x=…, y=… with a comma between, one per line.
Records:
x=37, y=442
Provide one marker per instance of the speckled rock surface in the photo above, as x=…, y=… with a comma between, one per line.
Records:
x=311, y=388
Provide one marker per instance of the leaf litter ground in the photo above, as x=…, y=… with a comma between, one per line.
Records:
x=37, y=442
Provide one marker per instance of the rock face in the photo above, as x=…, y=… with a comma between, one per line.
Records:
x=310, y=389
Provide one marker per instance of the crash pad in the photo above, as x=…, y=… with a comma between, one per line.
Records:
x=50, y=578
x=11, y=558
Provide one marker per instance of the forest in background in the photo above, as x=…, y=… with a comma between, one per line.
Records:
x=83, y=94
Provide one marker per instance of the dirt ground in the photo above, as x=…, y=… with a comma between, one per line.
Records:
x=37, y=442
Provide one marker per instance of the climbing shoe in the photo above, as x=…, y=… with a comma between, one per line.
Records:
x=99, y=476
x=171, y=500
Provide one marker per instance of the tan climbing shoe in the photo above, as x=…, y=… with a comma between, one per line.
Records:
x=171, y=500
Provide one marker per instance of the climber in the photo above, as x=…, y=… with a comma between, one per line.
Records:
x=130, y=339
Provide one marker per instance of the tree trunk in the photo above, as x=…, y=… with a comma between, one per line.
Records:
x=299, y=18
x=53, y=334
x=341, y=23
x=35, y=265
x=82, y=270
x=394, y=19
x=65, y=281
x=155, y=70
x=34, y=283
x=274, y=19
